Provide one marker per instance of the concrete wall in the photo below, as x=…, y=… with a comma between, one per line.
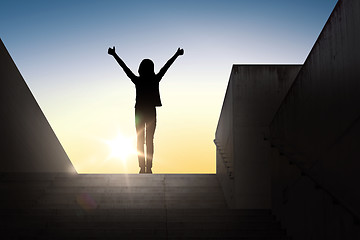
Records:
x=317, y=128
x=253, y=95
x=27, y=142
x=224, y=141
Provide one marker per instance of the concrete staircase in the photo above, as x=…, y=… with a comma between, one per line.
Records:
x=99, y=206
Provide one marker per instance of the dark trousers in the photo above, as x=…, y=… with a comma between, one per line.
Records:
x=145, y=123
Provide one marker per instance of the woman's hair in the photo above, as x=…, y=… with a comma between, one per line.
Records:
x=146, y=68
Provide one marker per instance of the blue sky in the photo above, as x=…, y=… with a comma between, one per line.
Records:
x=60, y=49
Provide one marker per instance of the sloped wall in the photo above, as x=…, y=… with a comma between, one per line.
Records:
x=27, y=142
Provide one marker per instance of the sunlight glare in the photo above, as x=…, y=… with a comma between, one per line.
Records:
x=121, y=147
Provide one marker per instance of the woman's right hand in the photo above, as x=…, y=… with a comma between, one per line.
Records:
x=180, y=51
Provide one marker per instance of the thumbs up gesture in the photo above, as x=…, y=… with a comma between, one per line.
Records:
x=111, y=51
x=180, y=51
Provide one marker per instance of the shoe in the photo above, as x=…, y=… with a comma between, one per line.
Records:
x=148, y=170
x=142, y=170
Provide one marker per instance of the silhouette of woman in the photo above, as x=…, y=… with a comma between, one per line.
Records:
x=147, y=98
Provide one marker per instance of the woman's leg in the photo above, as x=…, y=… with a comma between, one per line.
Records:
x=150, y=131
x=140, y=127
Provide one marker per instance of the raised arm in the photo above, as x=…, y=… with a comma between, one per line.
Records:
x=170, y=62
x=129, y=73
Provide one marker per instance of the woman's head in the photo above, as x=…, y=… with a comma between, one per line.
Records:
x=146, y=68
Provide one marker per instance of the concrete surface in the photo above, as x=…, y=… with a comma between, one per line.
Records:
x=164, y=206
x=27, y=142
x=253, y=95
x=318, y=128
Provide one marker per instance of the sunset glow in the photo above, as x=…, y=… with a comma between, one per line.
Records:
x=60, y=48
x=121, y=147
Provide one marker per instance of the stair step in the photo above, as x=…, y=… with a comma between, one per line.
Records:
x=126, y=206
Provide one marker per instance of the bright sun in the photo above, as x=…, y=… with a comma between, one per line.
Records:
x=121, y=147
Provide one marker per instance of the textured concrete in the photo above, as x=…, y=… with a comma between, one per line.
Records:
x=27, y=142
x=253, y=95
x=71, y=206
x=318, y=128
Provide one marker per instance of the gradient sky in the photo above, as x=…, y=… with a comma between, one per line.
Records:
x=60, y=48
